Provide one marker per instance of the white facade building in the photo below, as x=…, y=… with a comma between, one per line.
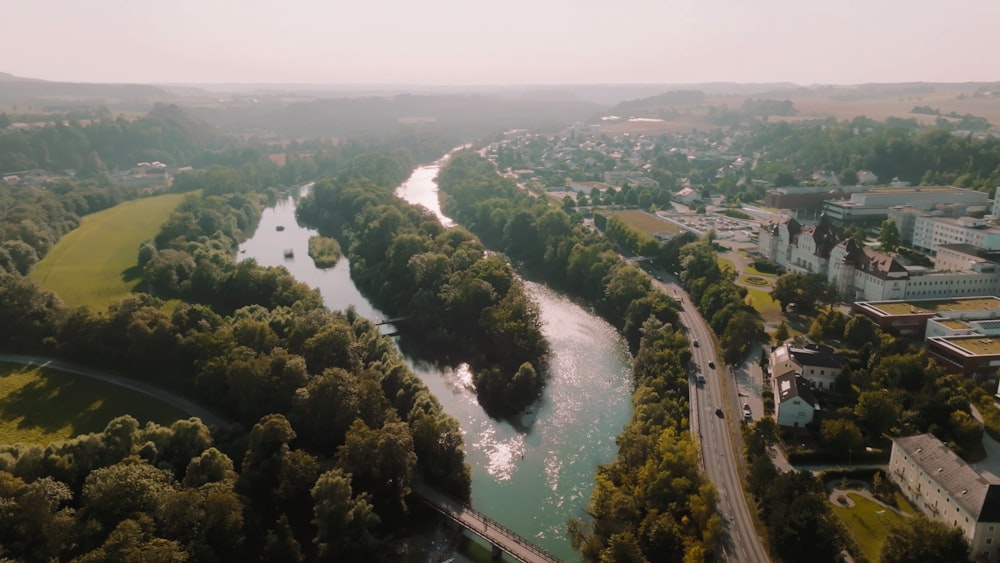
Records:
x=931, y=232
x=794, y=404
x=948, y=490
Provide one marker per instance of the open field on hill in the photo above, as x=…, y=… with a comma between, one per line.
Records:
x=95, y=265
x=643, y=222
x=810, y=104
x=41, y=405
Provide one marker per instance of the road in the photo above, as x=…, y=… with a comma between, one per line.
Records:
x=172, y=399
x=714, y=433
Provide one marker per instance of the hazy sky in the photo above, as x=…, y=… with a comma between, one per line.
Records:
x=501, y=42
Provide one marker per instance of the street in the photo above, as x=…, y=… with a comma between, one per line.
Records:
x=714, y=433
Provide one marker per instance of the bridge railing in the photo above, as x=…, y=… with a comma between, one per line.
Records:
x=490, y=524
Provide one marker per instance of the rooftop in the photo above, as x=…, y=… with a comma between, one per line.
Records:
x=934, y=306
x=971, y=345
x=954, y=324
x=964, y=484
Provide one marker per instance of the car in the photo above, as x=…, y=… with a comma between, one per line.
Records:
x=718, y=412
x=711, y=365
x=701, y=379
x=695, y=343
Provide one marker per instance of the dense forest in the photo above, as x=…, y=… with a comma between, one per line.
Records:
x=454, y=296
x=341, y=427
x=900, y=149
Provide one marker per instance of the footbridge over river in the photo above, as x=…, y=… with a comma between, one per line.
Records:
x=502, y=539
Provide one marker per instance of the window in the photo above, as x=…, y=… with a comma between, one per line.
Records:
x=989, y=541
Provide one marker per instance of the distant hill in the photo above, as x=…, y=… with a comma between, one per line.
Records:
x=16, y=90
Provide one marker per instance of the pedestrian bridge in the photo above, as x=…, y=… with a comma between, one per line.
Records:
x=502, y=539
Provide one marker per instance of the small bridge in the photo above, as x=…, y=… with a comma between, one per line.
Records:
x=381, y=322
x=501, y=538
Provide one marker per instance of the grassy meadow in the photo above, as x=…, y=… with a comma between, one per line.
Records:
x=644, y=222
x=869, y=523
x=95, y=265
x=40, y=405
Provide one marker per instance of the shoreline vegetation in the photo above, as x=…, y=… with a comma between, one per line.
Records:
x=324, y=251
x=459, y=300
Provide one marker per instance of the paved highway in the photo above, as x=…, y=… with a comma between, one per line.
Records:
x=715, y=412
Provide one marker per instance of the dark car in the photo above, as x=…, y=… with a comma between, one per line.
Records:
x=696, y=344
x=711, y=365
x=718, y=413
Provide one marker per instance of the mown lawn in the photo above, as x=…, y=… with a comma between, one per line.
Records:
x=760, y=299
x=95, y=265
x=643, y=222
x=869, y=523
x=39, y=405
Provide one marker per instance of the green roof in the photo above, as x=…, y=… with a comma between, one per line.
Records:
x=935, y=306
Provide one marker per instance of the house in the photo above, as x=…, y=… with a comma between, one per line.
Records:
x=687, y=195
x=794, y=404
x=945, y=488
x=817, y=364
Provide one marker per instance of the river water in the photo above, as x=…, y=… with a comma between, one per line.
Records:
x=531, y=478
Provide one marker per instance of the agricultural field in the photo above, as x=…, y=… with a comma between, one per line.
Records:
x=41, y=405
x=643, y=222
x=95, y=265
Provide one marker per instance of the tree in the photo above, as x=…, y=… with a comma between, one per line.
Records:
x=841, y=435
x=345, y=524
x=888, y=236
x=877, y=410
x=781, y=333
x=920, y=539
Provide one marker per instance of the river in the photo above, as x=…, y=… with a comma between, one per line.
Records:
x=532, y=479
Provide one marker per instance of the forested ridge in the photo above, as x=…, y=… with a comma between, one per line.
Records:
x=341, y=427
x=455, y=297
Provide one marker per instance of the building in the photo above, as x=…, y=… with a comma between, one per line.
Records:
x=870, y=208
x=948, y=490
x=794, y=404
x=931, y=232
x=687, y=195
x=860, y=272
x=966, y=258
x=976, y=355
x=805, y=201
x=803, y=249
x=817, y=364
x=911, y=317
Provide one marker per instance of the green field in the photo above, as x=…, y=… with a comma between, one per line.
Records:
x=869, y=523
x=39, y=405
x=643, y=222
x=95, y=265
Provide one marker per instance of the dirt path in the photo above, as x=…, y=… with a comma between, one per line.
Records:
x=172, y=399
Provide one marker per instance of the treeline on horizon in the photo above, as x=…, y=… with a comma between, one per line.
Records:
x=457, y=300
x=341, y=427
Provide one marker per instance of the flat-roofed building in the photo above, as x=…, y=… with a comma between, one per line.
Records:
x=870, y=208
x=909, y=317
x=945, y=488
x=977, y=355
x=931, y=232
